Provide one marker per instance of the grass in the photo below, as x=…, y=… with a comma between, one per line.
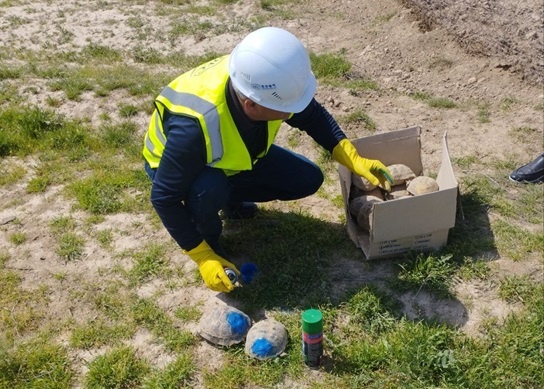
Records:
x=18, y=238
x=435, y=102
x=144, y=296
x=119, y=368
x=427, y=271
x=99, y=333
x=70, y=246
x=359, y=117
x=149, y=262
x=334, y=69
x=36, y=364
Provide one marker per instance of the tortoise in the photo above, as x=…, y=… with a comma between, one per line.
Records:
x=361, y=207
x=400, y=173
x=223, y=325
x=422, y=185
x=266, y=339
x=397, y=192
x=362, y=183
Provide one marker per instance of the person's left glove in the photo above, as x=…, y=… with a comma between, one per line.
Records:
x=212, y=267
x=371, y=169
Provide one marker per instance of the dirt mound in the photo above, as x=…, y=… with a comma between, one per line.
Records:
x=507, y=30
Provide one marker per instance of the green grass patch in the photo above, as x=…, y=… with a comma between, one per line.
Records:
x=473, y=268
x=517, y=289
x=517, y=242
x=7, y=72
x=11, y=174
x=429, y=272
x=62, y=224
x=27, y=130
x=18, y=238
x=359, y=117
x=329, y=65
x=336, y=70
x=119, y=368
x=149, y=315
x=102, y=80
x=189, y=313
x=22, y=309
x=99, y=333
x=128, y=110
x=106, y=191
x=102, y=54
x=149, y=262
x=178, y=374
x=465, y=162
x=104, y=237
x=35, y=364
x=122, y=137
x=70, y=246
x=4, y=257
x=434, y=102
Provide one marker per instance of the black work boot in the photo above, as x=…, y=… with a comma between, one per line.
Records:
x=241, y=210
x=531, y=173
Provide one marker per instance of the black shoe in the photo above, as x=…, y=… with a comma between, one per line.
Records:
x=532, y=173
x=238, y=211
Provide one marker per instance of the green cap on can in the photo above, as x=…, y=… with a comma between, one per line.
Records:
x=312, y=321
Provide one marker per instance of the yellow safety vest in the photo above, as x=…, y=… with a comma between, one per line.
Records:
x=200, y=93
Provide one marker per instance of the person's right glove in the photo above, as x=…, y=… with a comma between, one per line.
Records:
x=212, y=267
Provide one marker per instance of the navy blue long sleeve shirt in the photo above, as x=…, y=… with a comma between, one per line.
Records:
x=184, y=157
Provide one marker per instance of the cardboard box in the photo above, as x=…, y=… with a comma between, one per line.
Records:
x=419, y=223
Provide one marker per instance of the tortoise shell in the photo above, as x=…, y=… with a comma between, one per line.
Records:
x=224, y=325
x=266, y=339
x=400, y=173
x=422, y=185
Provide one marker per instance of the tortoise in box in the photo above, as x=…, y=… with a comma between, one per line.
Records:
x=422, y=185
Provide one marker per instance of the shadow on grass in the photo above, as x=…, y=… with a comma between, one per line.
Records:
x=306, y=262
x=293, y=252
x=472, y=235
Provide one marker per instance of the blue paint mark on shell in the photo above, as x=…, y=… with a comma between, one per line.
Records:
x=266, y=339
x=223, y=325
x=262, y=348
x=238, y=323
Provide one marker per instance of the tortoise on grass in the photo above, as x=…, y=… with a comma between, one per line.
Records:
x=266, y=339
x=224, y=325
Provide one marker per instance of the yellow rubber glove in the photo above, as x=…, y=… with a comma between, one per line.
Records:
x=212, y=267
x=371, y=169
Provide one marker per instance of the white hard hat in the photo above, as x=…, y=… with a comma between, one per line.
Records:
x=271, y=67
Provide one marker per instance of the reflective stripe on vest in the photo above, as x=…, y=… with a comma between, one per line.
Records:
x=208, y=105
x=209, y=113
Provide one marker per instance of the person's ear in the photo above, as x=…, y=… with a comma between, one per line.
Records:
x=251, y=108
x=249, y=105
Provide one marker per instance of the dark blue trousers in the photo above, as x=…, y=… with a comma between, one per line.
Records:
x=280, y=175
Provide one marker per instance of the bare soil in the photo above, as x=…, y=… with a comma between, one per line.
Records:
x=481, y=55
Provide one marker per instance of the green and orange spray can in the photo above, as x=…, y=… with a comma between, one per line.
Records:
x=312, y=337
